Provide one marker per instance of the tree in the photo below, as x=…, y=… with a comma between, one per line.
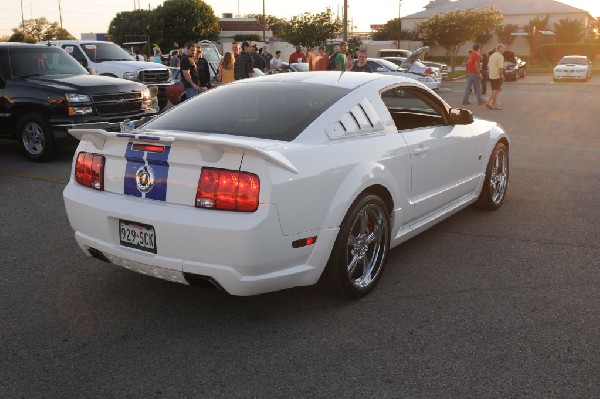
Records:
x=392, y=30
x=311, y=30
x=39, y=29
x=568, y=31
x=130, y=23
x=532, y=28
x=454, y=28
x=185, y=21
x=271, y=22
x=505, y=33
x=484, y=38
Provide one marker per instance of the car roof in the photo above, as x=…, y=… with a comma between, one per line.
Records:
x=575, y=56
x=24, y=45
x=348, y=80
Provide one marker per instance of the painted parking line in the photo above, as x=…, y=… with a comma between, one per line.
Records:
x=29, y=175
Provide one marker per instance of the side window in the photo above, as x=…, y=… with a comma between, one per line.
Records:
x=412, y=108
x=76, y=53
x=375, y=67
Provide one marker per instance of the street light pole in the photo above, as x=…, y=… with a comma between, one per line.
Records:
x=399, y=22
x=264, y=22
x=345, y=17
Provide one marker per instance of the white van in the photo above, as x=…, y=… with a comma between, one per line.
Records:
x=109, y=59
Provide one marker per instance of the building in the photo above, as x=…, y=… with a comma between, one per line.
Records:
x=518, y=12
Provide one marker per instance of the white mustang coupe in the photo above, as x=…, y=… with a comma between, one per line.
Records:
x=279, y=181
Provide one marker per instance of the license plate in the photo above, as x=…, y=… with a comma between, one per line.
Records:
x=137, y=235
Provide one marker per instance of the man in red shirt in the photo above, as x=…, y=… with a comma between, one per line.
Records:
x=474, y=75
x=298, y=56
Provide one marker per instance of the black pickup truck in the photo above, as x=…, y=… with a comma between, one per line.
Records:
x=44, y=92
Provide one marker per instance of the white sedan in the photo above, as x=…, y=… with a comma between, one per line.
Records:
x=576, y=67
x=279, y=181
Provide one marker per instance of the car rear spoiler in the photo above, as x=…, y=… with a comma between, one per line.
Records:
x=211, y=147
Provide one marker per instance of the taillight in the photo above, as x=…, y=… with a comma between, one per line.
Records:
x=428, y=71
x=89, y=170
x=228, y=190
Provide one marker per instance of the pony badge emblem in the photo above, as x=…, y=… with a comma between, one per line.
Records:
x=144, y=178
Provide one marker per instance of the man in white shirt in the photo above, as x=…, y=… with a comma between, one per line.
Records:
x=496, y=66
x=276, y=61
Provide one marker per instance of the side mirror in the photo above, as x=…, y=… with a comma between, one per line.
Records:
x=91, y=71
x=461, y=116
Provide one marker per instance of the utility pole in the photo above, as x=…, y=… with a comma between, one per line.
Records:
x=23, y=20
x=60, y=14
x=399, y=22
x=345, y=22
x=264, y=22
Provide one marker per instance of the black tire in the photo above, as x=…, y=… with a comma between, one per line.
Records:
x=524, y=73
x=360, y=250
x=495, y=184
x=36, y=138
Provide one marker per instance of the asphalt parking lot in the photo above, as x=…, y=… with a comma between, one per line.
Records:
x=484, y=305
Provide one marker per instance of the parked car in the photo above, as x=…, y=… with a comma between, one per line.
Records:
x=383, y=66
x=573, y=67
x=109, y=59
x=514, y=67
x=44, y=92
x=257, y=196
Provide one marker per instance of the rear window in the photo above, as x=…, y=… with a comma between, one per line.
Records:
x=262, y=109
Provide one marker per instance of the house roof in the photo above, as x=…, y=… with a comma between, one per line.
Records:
x=507, y=7
x=240, y=25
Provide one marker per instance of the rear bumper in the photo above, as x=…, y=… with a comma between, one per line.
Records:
x=245, y=254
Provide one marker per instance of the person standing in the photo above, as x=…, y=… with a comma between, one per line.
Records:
x=267, y=56
x=244, y=64
x=321, y=64
x=203, y=69
x=190, y=72
x=361, y=64
x=174, y=62
x=496, y=65
x=340, y=57
x=473, y=76
x=259, y=61
x=235, y=49
x=485, y=72
x=226, y=68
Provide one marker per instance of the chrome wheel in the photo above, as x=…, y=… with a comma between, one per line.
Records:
x=367, y=244
x=360, y=251
x=496, y=179
x=499, y=176
x=33, y=138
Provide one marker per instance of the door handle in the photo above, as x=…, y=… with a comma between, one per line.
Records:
x=421, y=150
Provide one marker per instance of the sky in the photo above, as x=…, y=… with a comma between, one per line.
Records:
x=95, y=15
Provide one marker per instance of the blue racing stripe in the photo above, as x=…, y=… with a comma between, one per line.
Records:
x=159, y=163
x=160, y=167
